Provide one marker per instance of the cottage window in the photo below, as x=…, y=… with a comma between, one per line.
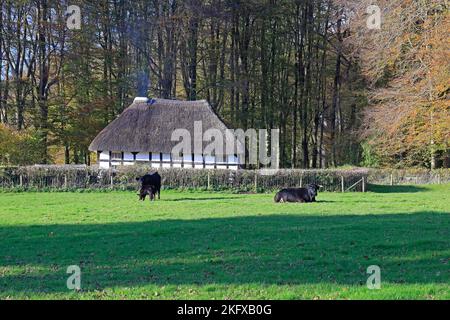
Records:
x=142, y=157
x=128, y=156
x=156, y=157
x=116, y=156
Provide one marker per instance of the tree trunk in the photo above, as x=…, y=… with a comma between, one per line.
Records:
x=43, y=79
x=336, y=95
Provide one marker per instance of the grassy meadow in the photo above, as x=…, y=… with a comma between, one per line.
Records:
x=226, y=246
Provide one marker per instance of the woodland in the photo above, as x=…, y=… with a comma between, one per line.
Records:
x=341, y=92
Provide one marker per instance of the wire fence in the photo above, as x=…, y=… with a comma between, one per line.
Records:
x=47, y=178
x=409, y=177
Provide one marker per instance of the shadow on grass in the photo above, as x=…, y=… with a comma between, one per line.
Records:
x=278, y=249
x=395, y=189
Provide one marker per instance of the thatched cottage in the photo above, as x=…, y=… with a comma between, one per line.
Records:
x=143, y=134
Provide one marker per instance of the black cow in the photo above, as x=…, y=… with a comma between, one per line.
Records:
x=304, y=195
x=151, y=183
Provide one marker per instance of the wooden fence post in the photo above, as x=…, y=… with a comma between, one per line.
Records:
x=256, y=181
x=364, y=184
x=65, y=181
x=342, y=184
x=21, y=181
x=392, y=179
x=112, y=182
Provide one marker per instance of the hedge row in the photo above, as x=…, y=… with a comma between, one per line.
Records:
x=124, y=178
x=47, y=178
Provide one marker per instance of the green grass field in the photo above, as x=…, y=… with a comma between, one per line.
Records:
x=226, y=246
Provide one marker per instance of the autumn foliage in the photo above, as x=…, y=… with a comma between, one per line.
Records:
x=407, y=63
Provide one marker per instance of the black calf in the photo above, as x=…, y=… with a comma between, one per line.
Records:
x=149, y=191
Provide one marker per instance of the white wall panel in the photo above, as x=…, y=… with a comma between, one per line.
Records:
x=104, y=155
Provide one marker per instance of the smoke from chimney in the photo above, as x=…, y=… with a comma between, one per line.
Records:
x=143, y=83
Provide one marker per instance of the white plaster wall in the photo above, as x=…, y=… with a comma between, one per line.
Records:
x=156, y=165
x=104, y=165
x=198, y=161
x=210, y=160
x=104, y=156
x=187, y=161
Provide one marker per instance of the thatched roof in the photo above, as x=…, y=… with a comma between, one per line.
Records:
x=148, y=126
